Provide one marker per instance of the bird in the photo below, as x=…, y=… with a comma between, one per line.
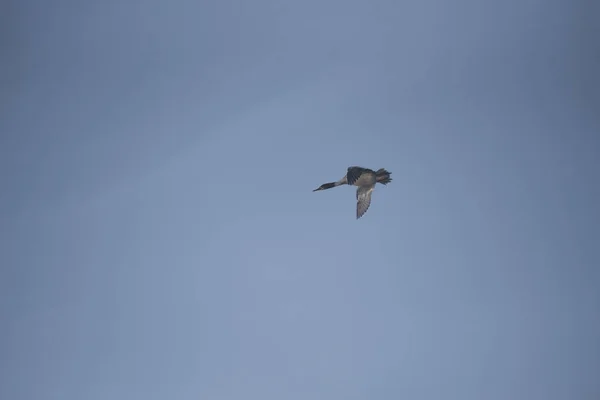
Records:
x=365, y=179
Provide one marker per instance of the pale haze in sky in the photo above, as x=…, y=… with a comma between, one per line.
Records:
x=159, y=237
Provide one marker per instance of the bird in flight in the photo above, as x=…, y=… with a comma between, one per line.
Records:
x=365, y=179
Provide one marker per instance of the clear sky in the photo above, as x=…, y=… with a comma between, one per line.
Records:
x=159, y=237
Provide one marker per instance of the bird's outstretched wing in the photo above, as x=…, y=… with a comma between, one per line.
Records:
x=353, y=174
x=363, y=200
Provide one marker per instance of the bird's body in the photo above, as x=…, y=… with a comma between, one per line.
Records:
x=365, y=179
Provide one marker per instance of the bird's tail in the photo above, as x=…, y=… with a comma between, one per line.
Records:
x=383, y=176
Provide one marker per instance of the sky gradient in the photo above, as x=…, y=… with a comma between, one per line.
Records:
x=159, y=236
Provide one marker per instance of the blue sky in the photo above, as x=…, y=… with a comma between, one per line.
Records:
x=160, y=238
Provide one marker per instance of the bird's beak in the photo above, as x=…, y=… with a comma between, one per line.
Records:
x=319, y=188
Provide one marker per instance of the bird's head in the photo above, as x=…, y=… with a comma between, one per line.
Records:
x=325, y=186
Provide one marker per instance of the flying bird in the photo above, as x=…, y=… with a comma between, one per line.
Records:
x=365, y=179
